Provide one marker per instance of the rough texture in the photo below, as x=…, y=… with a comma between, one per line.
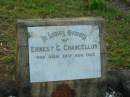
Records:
x=128, y=1
x=8, y=88
x=82, y=88
x=119, y=81
x=123, y=5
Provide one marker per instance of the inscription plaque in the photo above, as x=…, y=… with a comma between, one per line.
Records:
x=66, y=52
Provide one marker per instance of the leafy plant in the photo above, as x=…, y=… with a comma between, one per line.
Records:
x=96, y=4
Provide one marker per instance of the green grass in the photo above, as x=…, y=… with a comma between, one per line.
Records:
x=116, y=22
x=96, y=4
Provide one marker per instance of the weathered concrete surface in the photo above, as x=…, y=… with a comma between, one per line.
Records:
x=82, y=88
x=117, y=80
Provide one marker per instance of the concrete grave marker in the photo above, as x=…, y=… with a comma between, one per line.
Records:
x=64, y=52
x=70, y=51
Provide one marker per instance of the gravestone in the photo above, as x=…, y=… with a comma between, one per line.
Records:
x=61, y=57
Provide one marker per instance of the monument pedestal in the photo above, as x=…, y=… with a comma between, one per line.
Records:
x=61, y=57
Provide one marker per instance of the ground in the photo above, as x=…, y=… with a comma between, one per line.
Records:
x=124, y=6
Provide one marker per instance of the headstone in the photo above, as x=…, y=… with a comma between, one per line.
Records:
x=63, y=57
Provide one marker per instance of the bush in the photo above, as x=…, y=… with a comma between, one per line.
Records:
x=96, y=4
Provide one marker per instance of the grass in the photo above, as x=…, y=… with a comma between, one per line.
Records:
x=7, y=59
x=96, y=4
x=116, y=22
